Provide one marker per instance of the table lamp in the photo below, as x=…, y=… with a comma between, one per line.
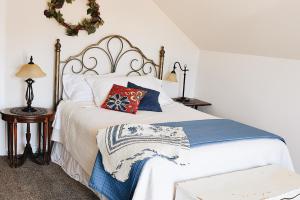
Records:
x=173, y=78
x=30, y=71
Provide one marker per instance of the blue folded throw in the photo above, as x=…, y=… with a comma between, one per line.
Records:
x=199, y=132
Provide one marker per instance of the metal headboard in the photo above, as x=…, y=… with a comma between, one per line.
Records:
x=139, y=64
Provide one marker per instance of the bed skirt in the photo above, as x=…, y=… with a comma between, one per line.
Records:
x=62, y=157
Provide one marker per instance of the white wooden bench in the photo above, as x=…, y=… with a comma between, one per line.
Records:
x=268, y=182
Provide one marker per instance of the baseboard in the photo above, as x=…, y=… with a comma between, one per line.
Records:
x=3, y=152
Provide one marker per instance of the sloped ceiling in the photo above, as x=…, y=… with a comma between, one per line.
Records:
x=257, y=27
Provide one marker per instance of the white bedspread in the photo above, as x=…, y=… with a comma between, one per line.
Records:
x=76, y=127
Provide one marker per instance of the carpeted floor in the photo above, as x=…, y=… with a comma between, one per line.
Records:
x=35, y=182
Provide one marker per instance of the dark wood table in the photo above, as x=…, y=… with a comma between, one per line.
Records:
x=44, y=130
x=194, y=103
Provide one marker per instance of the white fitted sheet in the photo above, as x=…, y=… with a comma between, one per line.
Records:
x=76, y=126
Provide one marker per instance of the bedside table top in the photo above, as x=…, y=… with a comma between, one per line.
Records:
x=7, y=115
x=193, y=102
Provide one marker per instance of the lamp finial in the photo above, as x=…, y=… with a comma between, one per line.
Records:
x=31, y=60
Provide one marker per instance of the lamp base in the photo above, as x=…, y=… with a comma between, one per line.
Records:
x=29, y=109
x=182, y=99
x=20, y=111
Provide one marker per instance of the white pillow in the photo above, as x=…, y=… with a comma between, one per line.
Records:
x=75, y=87
x=102, y=86
x=153, y=83
x=164, y=99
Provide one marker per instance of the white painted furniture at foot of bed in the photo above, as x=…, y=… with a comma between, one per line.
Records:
x=270, y=182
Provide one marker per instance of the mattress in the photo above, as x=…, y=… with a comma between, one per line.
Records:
x=76, y=125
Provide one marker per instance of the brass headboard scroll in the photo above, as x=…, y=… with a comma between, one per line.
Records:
x=110, y=52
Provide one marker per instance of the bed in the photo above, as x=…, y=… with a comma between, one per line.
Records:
x=76, y=124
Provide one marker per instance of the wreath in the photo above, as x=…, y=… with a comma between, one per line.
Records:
x=88, y=24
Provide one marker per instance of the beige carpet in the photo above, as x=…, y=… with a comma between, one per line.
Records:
x=35, y=182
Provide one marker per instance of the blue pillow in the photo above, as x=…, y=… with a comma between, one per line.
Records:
x=150, y=100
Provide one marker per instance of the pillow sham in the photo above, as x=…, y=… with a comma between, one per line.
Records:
x=164, y=98
x=150, y=100
x=101, y=87
x=123, y=99
x=76, y=88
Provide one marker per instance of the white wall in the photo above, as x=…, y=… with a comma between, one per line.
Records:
x=29, y=32
x=2, y=71
x=259, y=91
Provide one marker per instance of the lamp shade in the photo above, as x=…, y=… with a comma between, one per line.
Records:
x=30, y=70
x=172, y=77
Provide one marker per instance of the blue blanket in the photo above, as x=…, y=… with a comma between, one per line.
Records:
x=199, y=132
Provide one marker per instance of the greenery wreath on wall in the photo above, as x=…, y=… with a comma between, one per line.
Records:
x=88, y=24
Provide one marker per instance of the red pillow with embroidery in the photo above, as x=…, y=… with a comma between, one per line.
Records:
x=123, y=99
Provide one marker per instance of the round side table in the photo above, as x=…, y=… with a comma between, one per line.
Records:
x=43, y=119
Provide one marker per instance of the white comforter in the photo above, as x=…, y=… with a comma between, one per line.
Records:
x=76, y=127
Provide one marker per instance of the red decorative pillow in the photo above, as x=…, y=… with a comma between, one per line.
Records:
x=123, y=99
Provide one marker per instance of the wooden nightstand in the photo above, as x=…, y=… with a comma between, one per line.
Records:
x=43, y=119
x=194, y=103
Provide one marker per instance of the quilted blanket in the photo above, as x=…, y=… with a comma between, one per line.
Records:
x=123, y=145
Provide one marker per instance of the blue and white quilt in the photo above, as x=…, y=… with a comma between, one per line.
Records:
x=123, y=145
x=198, y=132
